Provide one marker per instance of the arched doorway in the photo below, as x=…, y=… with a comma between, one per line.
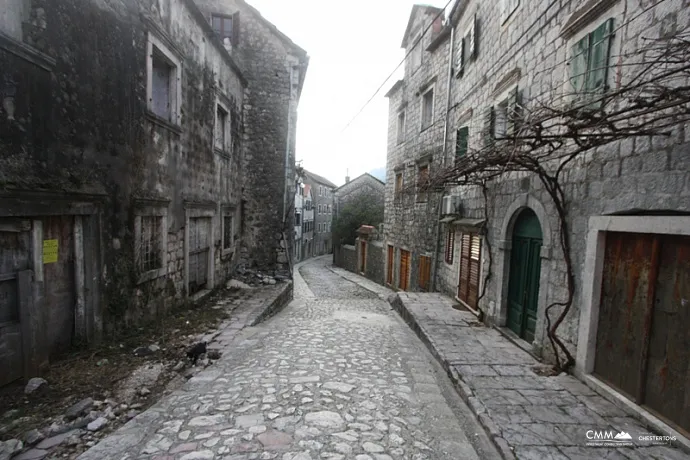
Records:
x=525, y=269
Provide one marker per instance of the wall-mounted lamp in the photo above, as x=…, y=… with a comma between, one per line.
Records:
x=8, y=92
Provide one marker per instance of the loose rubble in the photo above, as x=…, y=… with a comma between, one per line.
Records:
x=35, y=384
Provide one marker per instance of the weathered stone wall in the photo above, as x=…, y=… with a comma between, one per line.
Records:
x=83, y=132
x=366, y=185
x=322, y=193
x=275, y=70
x=346, y=257
x=410, y=217
x=636, y=175
x=375, y=268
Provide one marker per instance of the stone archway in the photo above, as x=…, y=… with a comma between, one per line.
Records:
x=505, y=242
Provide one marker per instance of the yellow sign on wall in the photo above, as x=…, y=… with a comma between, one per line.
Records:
x=50, y=251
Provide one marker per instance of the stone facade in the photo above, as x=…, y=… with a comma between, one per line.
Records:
x=529, y=50
x=275, y=69
x=366, y=184
x=123, y=140
x=322, y=192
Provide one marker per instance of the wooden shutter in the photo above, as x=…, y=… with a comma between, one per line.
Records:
x=578, y=65
x=489, y=126
x=599, y=53
x=470, y=259
x=513, y=112
x=450, y=245
x=461, y=142
x=404, y=269
x=461, y=58
x=236, y=29
x=472, y=41
x=391, y=260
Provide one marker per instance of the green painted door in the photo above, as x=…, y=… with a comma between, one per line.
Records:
x=525, y=269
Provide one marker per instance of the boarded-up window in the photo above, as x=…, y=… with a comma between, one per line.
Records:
x=470, y=258
x=162, y=90
x=450, y=245
x=149, y=247
x=424, y=273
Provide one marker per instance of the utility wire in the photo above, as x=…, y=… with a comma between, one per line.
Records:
x=443, y=10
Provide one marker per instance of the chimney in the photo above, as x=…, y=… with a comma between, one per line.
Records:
x=347, y=176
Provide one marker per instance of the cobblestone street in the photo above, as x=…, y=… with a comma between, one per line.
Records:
x=336, y=375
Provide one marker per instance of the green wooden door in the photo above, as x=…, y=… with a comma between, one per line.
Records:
x=525, y=269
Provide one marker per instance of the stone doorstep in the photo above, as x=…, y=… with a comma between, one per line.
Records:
x=471, y=398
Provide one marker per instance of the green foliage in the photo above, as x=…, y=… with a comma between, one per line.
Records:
x=362, y=209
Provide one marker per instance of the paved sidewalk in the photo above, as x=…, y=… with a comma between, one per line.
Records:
x=527, y=415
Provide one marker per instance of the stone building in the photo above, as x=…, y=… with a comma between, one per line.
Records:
x=123, y=132
x=497, y=251
x=275, y=69
x=366, y=184
x=322, y=191
x=307, y=241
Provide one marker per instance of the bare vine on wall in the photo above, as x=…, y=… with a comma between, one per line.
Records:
x=545, y=136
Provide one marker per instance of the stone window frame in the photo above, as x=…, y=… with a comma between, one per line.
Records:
x=503, y=101
x=156, y=45
x=583, y=26
x=146, y=208
x=423, y=95
x=227, y=148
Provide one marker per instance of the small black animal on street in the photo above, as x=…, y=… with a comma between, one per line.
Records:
x=195, y=351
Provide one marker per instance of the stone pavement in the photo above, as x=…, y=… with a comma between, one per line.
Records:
x=336, y=375
x=527, y=415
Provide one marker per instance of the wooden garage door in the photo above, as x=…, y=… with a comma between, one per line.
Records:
x=643, y=337
x=424, y=273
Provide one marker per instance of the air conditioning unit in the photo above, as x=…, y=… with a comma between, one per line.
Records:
x=451, y=205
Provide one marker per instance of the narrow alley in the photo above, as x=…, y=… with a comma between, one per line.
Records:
x=336, y=375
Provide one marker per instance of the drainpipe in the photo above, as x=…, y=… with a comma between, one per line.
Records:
x=437, y=242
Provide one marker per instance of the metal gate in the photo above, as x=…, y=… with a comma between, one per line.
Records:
x=199, y=253
x=404, y=270
x=15, y=251
x=643, y=337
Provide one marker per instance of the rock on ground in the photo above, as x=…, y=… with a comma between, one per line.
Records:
x=34, y=384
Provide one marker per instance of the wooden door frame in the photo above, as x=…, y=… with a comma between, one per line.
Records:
x=592, y=276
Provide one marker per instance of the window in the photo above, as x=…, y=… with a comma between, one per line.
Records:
x=450, y=245
x=401, y=127
x=298, y=219
x=427, y=108
x=221, y=128
x=468, y=48
x=226, y=27
x=422, y=182
x=329, y=209
x=319, y=209
x=470, y=254
x=149, y=243
x=461, y=142
x=508, y=7
x=503, y=119
x=589, y=61
x=163, y=86
x=398, y=183
x=227, y=232
x=320, y=191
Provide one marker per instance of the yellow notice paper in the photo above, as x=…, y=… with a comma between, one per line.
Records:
x=50, y=251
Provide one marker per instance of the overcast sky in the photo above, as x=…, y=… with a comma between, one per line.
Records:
x=353, y=47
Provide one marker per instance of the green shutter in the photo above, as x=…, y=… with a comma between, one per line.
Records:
x=513, y=112
x=488, y=126
x=578, y=65
x=461, y=142
x=600, y=49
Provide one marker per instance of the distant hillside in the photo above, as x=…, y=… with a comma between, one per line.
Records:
x=379, y=173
